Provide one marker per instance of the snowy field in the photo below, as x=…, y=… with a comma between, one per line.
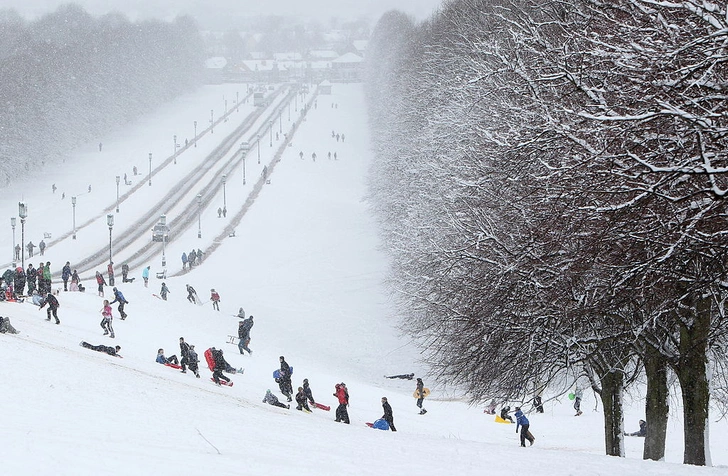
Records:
x=306, y=262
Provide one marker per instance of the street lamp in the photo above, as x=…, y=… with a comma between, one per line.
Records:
x=174, y=154
x=237, y=101
x=270, y=126
x=289, y=111
x=212, y=122
x=163, y=222
x=195, y=133
x=224, y=196
x=12, y=224
x=150, y=169
x=258, y=140
x=118, y=178
x=110, y=222
x=73, y=202
x=280, y=122
x=23, y=214
x=199, y=215
x=244, y=147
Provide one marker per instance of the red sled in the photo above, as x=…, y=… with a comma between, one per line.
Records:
x=210, y=360
x=322, y=406
x=223, y=382
x=174, y=366
x=370, y=425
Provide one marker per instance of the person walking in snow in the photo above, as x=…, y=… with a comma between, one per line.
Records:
x=215, y=298
x=184, y=260
x=244, y=328
x=42, y=247
x=119, y=297
x=53, y=306
x=66, y=275
x=47, y=277
x=30, y=246
x=184, y=351
x=420, y=392
x=388, y=416
x=164, y=291
x=191, y=258
x=101, y=282
x=124, y=273
x=110, y=271
x=106, y=318
x=342, y=394
x=145, y=276
x=578, y=393
x=193, y=360
x=19, y=281
x=522, y=421
x=307, y=391
x=191, y=294
x=17, y=252
x=271, y=399
x=301, y=403
x=285, y=383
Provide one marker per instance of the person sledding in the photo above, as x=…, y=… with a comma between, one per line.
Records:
x=220, y=366
x=271, y=399
x=6, y=327
x=641, y=432
x=113, y=351
x=401, y=376
x=171, y=360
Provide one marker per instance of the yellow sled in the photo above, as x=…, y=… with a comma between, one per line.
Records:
x=498, y=419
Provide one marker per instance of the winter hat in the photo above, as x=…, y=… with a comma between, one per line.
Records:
x=192, y=347
x=305, y=380
x=384, y=399
x=518, y=409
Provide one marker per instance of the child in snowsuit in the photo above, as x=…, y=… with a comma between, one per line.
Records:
x=273, y=400
x=641, y=432
x=522, y=421
x=106, y=319
x=164, y=291
x=53, y=306
x=215, y=298
x=504, y=414
x=301, y=401
x=342, y=415
x=6, y=327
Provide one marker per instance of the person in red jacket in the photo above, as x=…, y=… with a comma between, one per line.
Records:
x=215, y=298
x=342, y=394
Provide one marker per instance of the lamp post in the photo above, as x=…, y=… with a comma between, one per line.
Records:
x=175, y=149
x=195, y=133
x=237, y=101
x=199, y=215
x=110, y=222
x=212, y=122
x=258, y=140
x=73, y=202
x=244, y=147
x=118, y=178
x=23, y=214
x=224, y=195
x=163, y=222
x=289, y=112
x=280, y=122
x=270, y=127
x=150, y=169
x=225, y=107
x=12, y=224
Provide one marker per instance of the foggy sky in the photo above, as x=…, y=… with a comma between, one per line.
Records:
x=201, y=9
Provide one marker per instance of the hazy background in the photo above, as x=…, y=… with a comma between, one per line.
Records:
x=222, y=13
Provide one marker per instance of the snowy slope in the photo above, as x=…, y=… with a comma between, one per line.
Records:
x=307, y=264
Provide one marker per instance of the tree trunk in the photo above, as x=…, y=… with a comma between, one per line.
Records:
x=612, y=386
x=656, y=406
x=692, y=374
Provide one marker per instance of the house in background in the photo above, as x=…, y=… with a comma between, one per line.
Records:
x=347, y=68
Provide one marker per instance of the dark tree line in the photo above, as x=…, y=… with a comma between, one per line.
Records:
x=68, y=78
x=550, y=179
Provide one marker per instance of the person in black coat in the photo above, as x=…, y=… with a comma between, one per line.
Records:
x=244, y=328
x=221, y=366
x=388, y=416
x=114, y=351
x=301, y=400
x=642, y=431
x=53, y=306
x=307, y=392
x=285, y=383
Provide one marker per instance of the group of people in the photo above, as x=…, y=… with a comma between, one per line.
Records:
x=30, y=247
x=191, y=259
x=15, y=280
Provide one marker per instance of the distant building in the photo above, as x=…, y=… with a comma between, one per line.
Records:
x=325, y=88
x=347, y=68
x=215, y=70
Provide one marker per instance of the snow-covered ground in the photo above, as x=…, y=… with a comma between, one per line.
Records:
x=306, y=262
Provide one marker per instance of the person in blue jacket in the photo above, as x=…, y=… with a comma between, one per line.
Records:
x=522, y=421
x=66, y=275
x=161, y=359
x=118, y=297
x=145, y=276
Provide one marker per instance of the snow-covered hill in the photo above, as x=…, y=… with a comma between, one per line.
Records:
x=306, y=262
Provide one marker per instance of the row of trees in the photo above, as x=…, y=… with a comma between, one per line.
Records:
x=67, y=78
x=551, y=180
